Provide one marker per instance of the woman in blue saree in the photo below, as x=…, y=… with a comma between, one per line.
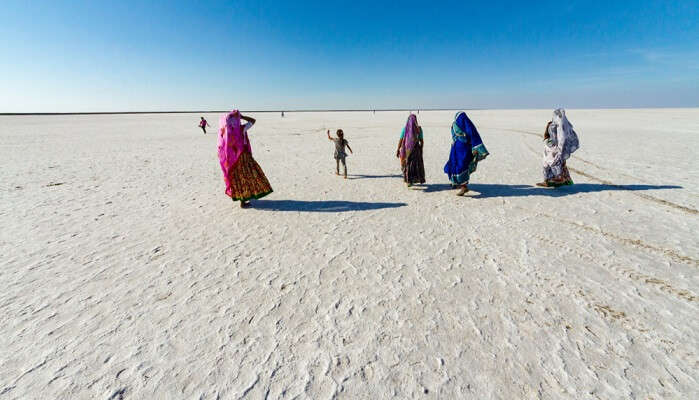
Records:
x=467, y=149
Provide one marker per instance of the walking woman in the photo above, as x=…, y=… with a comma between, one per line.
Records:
x=243, y=176
x=467, y=150
x=560, y=141
x=410, y=152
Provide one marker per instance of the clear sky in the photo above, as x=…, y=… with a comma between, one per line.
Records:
x=61, y=56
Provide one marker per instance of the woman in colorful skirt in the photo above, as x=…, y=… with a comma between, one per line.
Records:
x=467, y=150
x=410, y=152
x=243, y=176
x=560, y=141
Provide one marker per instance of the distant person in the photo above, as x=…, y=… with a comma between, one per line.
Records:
x=467, y=150
x=340, y=155
x=410, y=152
x=282, y=114
x=243, y=176
x=203, y=124
x=560, y=141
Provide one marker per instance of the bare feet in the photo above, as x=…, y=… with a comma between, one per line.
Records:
x=463, y=190
x=542, y=184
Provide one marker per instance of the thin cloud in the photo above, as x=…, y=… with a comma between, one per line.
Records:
x=680, y=58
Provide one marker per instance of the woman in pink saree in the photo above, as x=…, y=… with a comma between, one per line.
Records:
x=243, y=176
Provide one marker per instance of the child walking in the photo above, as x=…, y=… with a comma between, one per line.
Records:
x=340, y=154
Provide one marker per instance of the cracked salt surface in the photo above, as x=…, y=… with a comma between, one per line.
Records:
x=128, y=274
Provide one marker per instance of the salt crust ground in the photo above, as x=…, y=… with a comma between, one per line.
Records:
x=127, y=274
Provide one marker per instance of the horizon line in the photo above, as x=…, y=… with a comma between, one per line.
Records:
x=309, y=110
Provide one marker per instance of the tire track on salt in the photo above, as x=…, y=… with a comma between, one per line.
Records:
x=630, y=273
x=633, y=242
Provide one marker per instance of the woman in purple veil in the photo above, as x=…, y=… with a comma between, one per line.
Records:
x=410, y=152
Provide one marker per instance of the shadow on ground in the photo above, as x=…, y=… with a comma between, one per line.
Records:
x=373, y=176
x=486, y=190
x=321, y=206
x=437, y=187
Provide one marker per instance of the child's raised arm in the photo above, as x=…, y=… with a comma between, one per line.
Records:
x=329, y=138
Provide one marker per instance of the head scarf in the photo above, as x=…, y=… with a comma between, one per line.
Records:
x=232, y=142
x=463, y=130
x=561, y=134
x=410, y=138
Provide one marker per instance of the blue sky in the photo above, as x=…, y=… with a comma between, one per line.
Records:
x=62, y=56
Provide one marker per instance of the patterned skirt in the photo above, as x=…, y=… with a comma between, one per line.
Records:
x=561, y=179
x=247, y=180
x=413, y=167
